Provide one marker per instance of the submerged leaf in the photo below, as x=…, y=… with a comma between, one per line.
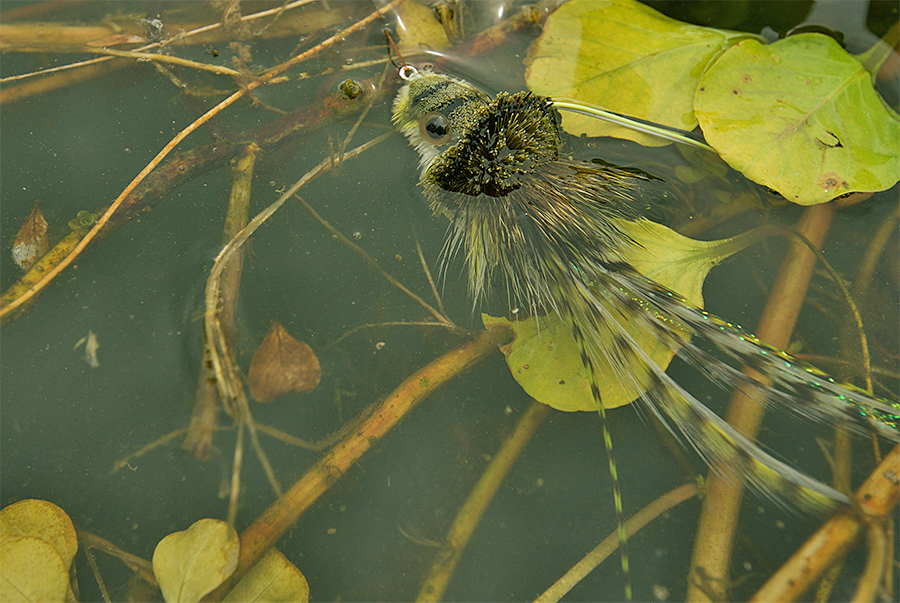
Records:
x=800, y=116
x=543, y=355
x=40, y=519
x=31, y=243
x=31, y=570
x=627, y=58
x=190, y=564
x=273, y=579
x=282, y=365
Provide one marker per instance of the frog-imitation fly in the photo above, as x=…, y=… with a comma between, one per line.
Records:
x=545, y=225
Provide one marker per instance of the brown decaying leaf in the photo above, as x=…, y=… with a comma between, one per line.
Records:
x=31, y=243
x=282, y=365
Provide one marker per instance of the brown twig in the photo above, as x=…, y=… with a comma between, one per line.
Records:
x=164, y=58
x=611, y=543
x=443, y=325
x=96, y=571
x=870, y=581
x=371, y=261
x=427, y=272
x=8, y=308
x=269, y=527
x=476, y=504
x=718, y=521
x=97, y=33
x=204, y=418
x=877, y=499
x=140, y=566
x=217, y=343
x=151, y=446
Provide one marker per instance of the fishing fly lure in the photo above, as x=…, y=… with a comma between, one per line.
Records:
x=546, y=226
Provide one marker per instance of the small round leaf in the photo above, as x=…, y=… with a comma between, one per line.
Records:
x=273, y=579
x=190, y=564
x=44, y=520
x=31, y=570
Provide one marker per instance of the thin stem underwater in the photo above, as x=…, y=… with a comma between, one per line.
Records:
x=6, y=310
x=718, y=521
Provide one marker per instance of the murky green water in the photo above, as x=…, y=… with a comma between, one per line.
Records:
x=140, y=290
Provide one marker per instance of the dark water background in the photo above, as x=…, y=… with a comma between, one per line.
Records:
x=64, y=424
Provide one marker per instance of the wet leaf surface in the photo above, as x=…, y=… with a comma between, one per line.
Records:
x=800, y=116
x=40, y=519
x=31, y=570
x=282, y=365
x=190, y=564
x=273, y=579
x=544, y=357
x=624, y=57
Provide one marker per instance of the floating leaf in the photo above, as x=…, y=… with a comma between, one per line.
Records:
x=31, y=570
x=627, y=58
x=419, y=29
x=544, y=357
x=273, y=579
x=43, y=520
x=800, y=116
x=190, y=564
x=282, y=365
x=31, y=243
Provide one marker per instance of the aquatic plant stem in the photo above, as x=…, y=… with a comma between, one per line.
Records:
x=269, y=527
x=270, y=74
x=371, y=261
x=870, y=581
x=709, y=574
x=41, y=29
x=877, y=499
x=205, y=416
x=611, y=543
x=476, y=504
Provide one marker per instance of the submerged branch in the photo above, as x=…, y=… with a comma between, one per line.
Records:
x=186, y=166
x=877, y=499
x=269, y=527
x=611, y=543
x=713, y=544
x=476, y=504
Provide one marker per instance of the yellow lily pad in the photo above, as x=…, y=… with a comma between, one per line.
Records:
x=419, y=29
x=627, y=58
x=31, y=570
x=192, y=563
x=40, y=519
x=543, y=355
x=273, y=579
x=801, y=117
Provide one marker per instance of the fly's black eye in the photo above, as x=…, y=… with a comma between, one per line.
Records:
x=435, y=128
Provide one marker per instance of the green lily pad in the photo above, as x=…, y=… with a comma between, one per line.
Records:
x=542, y=354
x=627, y=58
x=801, y=117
